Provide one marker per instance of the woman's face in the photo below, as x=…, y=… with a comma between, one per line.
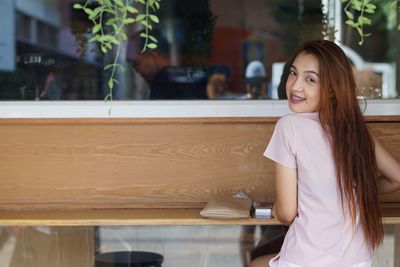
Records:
x=303, y=86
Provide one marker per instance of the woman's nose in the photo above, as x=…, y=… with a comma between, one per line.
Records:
x=296, y=85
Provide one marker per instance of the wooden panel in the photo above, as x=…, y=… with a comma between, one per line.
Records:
x=126, y=163
x=389, y=135
x=77, y=165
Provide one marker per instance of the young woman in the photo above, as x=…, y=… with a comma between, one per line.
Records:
x=327, y=166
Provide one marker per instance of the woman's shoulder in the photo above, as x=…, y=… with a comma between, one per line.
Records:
x=299, y=117
x=299, y=122
x=285, y=120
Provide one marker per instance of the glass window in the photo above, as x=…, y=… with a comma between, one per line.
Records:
x=207, y=49
x=167, y=246
x=375, y=60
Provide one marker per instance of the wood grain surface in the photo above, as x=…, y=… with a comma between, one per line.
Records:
x=131, y=163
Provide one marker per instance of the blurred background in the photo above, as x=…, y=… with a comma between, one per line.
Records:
x=213, y=49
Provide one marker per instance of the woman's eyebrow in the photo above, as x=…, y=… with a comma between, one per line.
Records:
x=311, y=71
x=307, y=71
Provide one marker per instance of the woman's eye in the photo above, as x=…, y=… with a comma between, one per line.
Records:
x=292, y=72
x=310, y=80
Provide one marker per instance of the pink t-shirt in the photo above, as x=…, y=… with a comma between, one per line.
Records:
x=322, y=233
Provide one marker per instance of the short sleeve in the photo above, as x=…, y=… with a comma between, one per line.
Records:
x=281, y=147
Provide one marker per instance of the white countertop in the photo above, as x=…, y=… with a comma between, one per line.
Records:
x=167, y=109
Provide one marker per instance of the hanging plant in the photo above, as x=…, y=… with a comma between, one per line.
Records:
x=110, y=17
x=358, y=14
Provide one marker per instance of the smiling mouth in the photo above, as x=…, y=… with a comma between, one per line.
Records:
x=296, y=99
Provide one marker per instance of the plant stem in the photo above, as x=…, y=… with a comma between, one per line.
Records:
x=147, y=28
x=362, y=24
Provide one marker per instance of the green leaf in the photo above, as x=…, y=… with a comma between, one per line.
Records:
x=108, y=45
x=351, y=23
x=103, y=49
x=157, y=5
x=371, y=6
x=153, y=39
x=131, y=9
x=96, y=12
x=141, y=1
x=111, y=21
x=110, y=11
x=140, y=17
x=114, y=40
x=363, y=21
x=154, y=18
x=88, y=11
x=369, y=11
x=96, y=28
x=110, y=83
x=367, y=34
x=119, y=2
x=366, y=20
x=128, y=21
x=122, y=10
x=356, y=4
x=78, y=6
x=152, y=46
x=94, y=39
x=115, y=27
x=146, y=24
x=108, y=66
x=114, y=65
x=349, y=14
x=144, y=35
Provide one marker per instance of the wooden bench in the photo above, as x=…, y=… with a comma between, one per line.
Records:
x=142, y=171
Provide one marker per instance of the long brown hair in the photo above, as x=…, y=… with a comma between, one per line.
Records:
x=353, y=146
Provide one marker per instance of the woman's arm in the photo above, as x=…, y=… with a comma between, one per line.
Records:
x=285, y=206
x=389, y=167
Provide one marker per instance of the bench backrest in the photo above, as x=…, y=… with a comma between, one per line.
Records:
x=131, y=163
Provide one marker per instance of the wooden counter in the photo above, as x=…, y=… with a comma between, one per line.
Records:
x=128, y=217
x=118, y=217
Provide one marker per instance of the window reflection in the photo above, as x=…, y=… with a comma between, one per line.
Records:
x=195, y=246
x=206, y=50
